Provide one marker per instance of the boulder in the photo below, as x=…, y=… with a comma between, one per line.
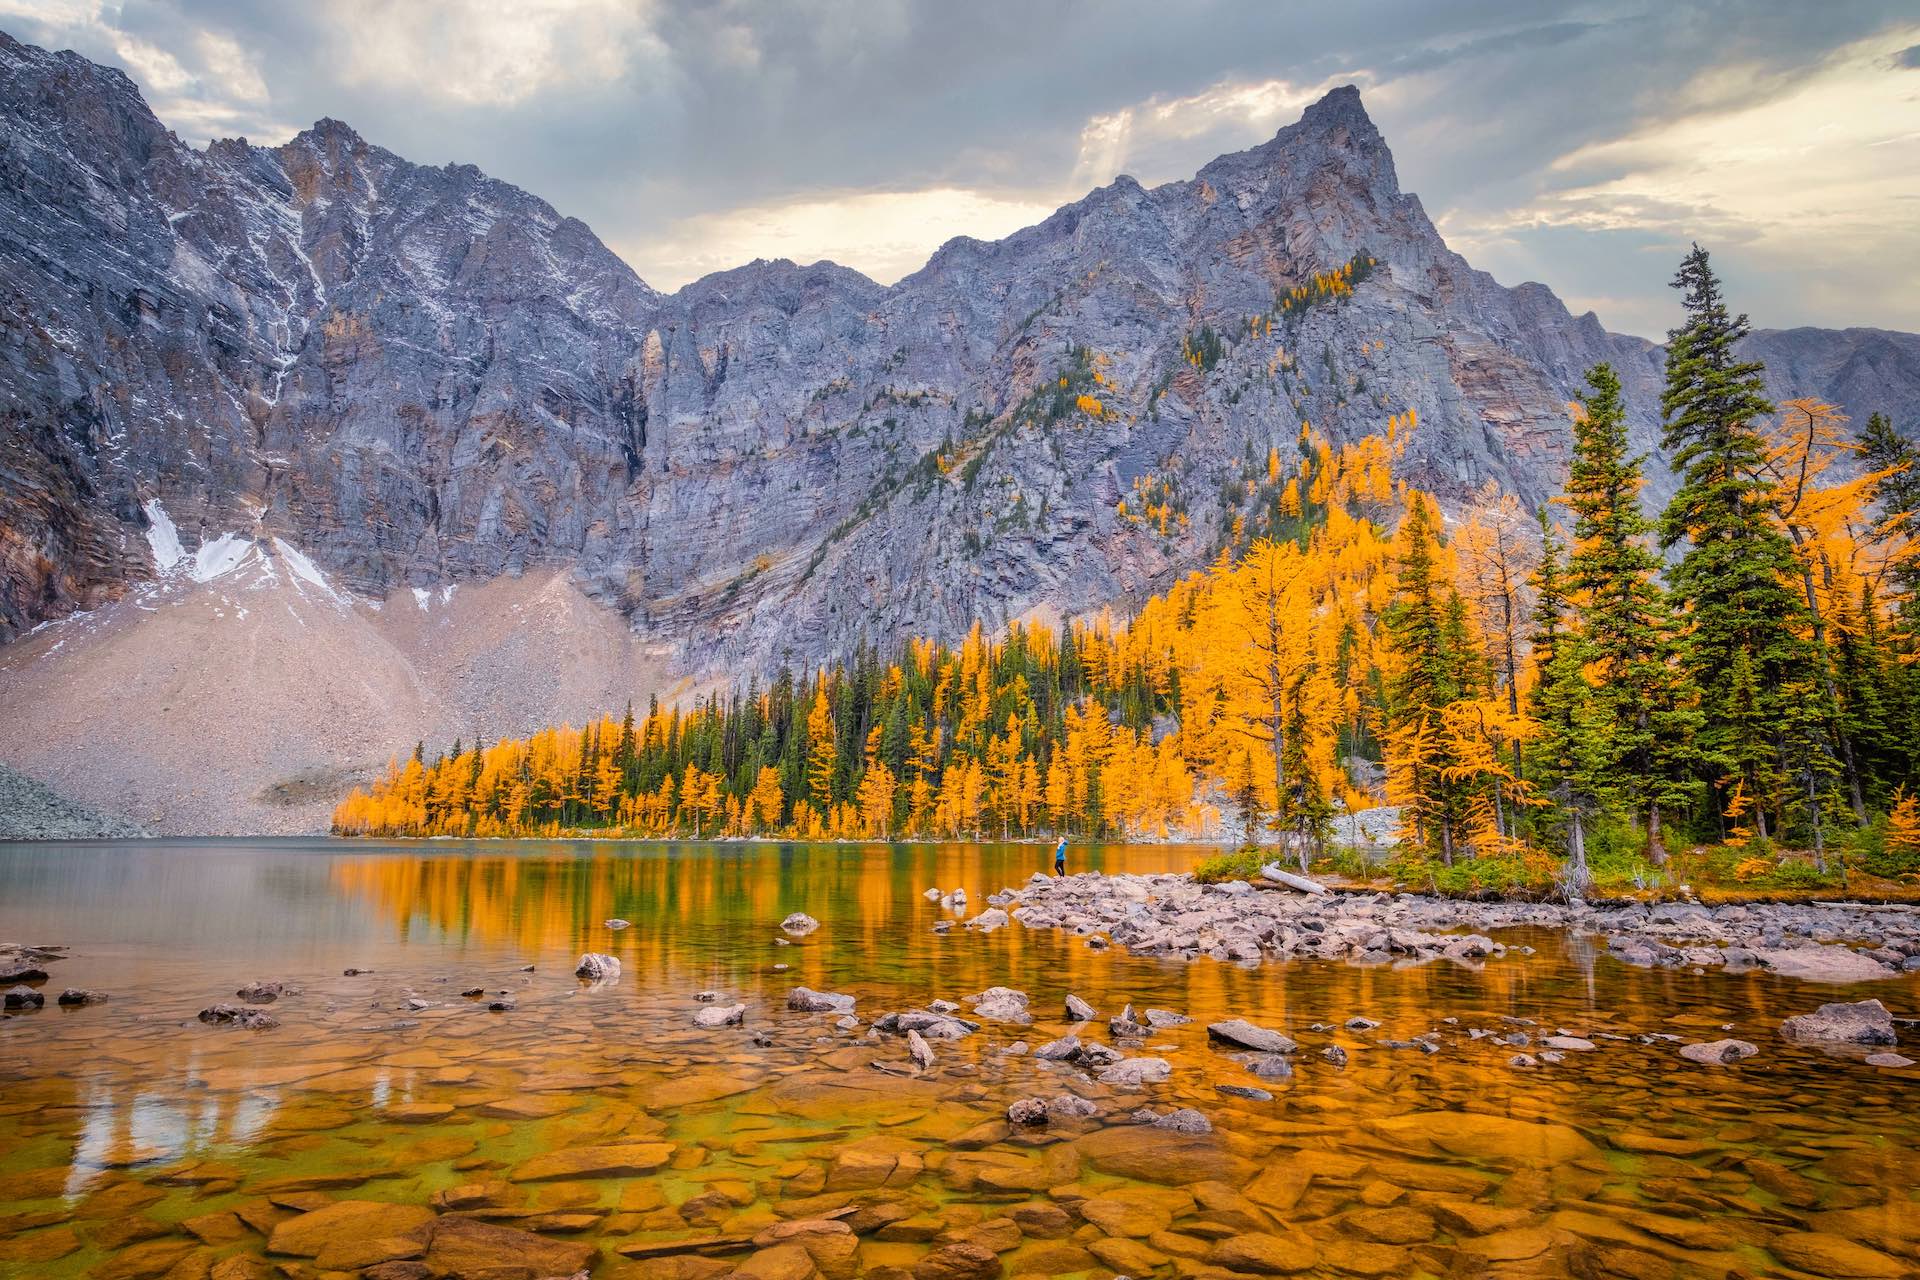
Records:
x=1079, y=1010
x=1718, y=1052
x=799, y=924
x=1028, y=1111
x=807, y=1000
x=77, y=996
x=1243, y=1034
x=1002, y=1004
x=1183, y=1120
x=919, y=1050
x=720, y=1015
x=989, y=920
x=596, y=967
x=1861, y=1022
x=22, y=997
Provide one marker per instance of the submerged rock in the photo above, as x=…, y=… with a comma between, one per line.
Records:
x=239, y=1015
x=77, y=996
x=1861, y=1022
x=265, y=992
x=1134, y=1073
x=1184, y=1120
x=807, y=1000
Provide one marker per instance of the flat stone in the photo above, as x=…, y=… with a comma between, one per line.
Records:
x=468, y=1247
x=1243, y=1034
x=1861, y=1022
x=1396, y=1225
x=625, y=1160
x=1830, y=1255
x=345, y=1220
x=1825, y=964
x=1263, y=1253
x=958, y=1262
x=1467, y=1133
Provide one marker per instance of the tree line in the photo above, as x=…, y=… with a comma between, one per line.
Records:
x=1735, y=670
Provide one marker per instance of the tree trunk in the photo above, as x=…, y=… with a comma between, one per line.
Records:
x=1656, y=847
x=1578, y=875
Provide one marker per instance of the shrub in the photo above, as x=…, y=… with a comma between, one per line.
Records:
x=1241, y=864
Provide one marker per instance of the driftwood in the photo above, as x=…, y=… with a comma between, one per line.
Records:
x=1273, y=872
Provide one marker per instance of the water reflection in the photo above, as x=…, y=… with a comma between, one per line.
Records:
x=121, y=1121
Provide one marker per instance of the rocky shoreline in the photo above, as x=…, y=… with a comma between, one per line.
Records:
x=1175, y=916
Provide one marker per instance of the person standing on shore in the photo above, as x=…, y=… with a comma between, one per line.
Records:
x=1060, y=857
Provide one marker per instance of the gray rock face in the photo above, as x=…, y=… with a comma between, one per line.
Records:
x=420, y=376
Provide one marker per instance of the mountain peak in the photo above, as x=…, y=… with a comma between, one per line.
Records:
x=328, y=130
x=1340, y=106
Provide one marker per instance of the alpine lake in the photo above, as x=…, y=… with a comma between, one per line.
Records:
x=394, y=1126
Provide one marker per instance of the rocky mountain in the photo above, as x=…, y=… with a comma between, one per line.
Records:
x=334, y=366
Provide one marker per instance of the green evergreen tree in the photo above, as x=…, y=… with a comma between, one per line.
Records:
x=1424, y=626
x=1626, y=619
x=1574, y=757
x=1732, y=578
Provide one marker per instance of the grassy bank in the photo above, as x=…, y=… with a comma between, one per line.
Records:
x=1711, y=873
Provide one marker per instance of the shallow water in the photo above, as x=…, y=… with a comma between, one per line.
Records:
x=136, y=1141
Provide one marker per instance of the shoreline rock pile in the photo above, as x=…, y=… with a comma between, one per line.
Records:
x=1176, y=916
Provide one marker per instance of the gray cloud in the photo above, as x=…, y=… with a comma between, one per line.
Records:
x=680, y=129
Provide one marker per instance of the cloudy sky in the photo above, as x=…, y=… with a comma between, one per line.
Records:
x=1581, y=144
